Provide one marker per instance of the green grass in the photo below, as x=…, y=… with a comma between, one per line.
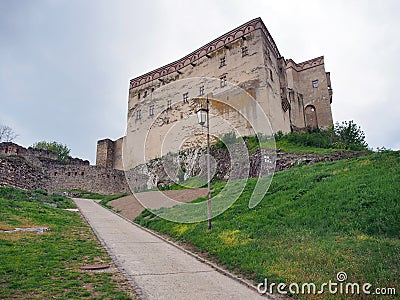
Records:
x=37, y=196
x=313, y=222
x=94, y=196
x=46, y=266
x=192, y=182
x=290, y=147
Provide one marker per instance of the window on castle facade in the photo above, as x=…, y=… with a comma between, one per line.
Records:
x=169, y=104
x=245, y=51
x=151, y=110
x=315, y=84
x=186, y=97
x=222, y=61
x=138, y=114
x=138, y=95
x=271, y=75
x=202, y=90
x=145, y=94
x=223, y=81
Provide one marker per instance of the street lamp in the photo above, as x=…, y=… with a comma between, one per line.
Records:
x=204, y=120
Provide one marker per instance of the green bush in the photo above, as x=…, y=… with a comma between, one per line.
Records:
x=350, y=136
x=347, y=136
x=226, y=139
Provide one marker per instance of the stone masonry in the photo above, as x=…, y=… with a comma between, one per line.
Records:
x=40, y=169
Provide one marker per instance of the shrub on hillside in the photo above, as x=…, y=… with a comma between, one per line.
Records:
x=346, y=136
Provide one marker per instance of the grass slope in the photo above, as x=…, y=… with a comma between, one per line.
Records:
x=46, y=266
x=313, y=222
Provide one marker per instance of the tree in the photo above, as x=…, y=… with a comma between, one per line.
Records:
x=350, y=136
x=7, y=134
x=61, y=150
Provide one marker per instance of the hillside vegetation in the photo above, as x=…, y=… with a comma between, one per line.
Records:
x=314, y=222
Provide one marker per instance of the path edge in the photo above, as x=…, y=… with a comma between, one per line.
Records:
x=199, y=258
x=139, y=292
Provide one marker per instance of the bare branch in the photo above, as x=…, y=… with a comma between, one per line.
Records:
x=7, y=134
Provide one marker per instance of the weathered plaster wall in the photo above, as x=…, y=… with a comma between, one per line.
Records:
x=301, y=78
x=282, y=89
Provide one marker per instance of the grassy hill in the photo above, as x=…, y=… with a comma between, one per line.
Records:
x=314, y=222
x=45, y=266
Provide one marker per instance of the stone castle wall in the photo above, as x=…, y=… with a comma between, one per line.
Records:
x=154, y=173
x=39, y=169
x=292, y=95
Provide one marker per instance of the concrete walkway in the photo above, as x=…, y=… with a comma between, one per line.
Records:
x=160, y=270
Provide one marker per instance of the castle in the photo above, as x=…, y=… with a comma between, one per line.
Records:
x=243, y=74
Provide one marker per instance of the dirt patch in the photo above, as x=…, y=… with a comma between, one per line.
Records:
x=186, y=195
x=130, y=207
x=127, y=206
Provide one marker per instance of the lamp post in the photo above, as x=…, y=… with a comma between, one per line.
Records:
x=203, y=116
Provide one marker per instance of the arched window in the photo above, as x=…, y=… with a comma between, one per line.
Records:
x=311, y=116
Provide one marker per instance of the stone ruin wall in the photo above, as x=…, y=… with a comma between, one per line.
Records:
x=21, y=168
x=39, y=169
x=153, y=173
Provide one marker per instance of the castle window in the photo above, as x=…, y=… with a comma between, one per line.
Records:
x=223, y=81
x=152, y=89
x=186, y=97
x=151, y=110
x=222, y=61
x=145, y=94
x=245, y=51
x=138, y=95
x=138, y=114
x=169, y=104
x=82, y=173
x=202, y=90
x=271, y=75
x=315, y=84
x=6, y=150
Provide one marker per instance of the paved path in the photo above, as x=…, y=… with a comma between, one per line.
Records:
x=159, y=269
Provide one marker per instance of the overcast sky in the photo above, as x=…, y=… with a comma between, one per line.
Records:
x=65, y=65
